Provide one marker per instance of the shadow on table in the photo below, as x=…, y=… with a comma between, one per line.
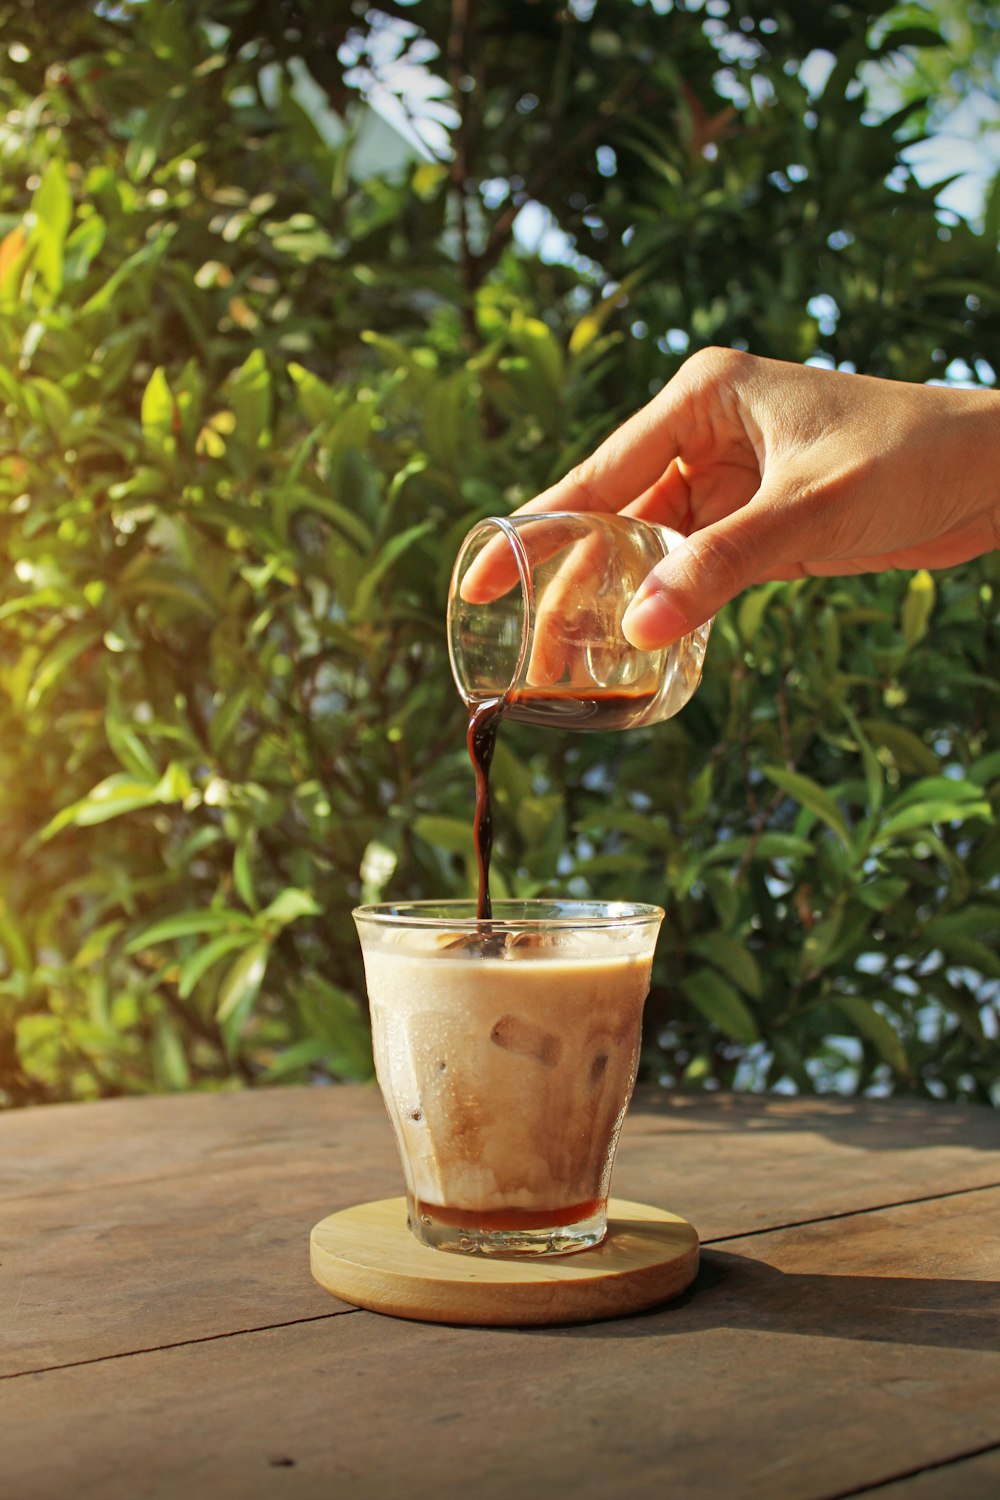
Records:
x=866, y=1124
x=732, y=1291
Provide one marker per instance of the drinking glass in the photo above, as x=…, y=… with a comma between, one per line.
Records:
x=534, y=616
x=506, y=1052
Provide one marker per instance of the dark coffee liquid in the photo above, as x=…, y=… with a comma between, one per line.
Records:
x=599, y=709
x=489, y=1220
x=556, y=707
x=484, y=721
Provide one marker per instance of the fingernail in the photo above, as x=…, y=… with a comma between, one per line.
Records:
x=652, y=621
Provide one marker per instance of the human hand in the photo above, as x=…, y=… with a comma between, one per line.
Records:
x=775, y=470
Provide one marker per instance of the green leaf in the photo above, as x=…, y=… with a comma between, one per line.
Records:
x=117, y=794
x=240, y=987
x=97, y=943
x=319, y=403
x=991, y=211
x=872, y=1025
x=243, y=870
x=654, y=831
x=417, y=465
x=785, y=846
x=189, y=924
x=169, y=1058
x=248, y=391
x=972, y=954
x=917, y=607
x=52, y=206
x=174, y=785
x=977, y=920
x=986, y=770
x=907, y=750
x=534, y=339
x=86, y=242
x=204, y=958
x=902, y=35
x=161, y=580
x=607, y=864
x=874, y=778
x=820, y=943
x=454, y=835
x=292, y=498
x=719, y=1002
x=378, y=864
x=882, y=892
x=16, y=949
x=128, y=748
x=48, y=598
x=157, y=413
x=724, y=896
x=287, y=907
x=733, y=958
x=147, y=256
x=390, y=553
x=753, y=607
x=226, y=719
x=334, y=1016
x=69, y=647
x=55, y=403
x=296, y=1059
x=15, y=248
x=535, y=815
x=591, y=325
x=926, y=814
x=350, y=432
x=936, y=789
x=510, y=777
x=812, y=796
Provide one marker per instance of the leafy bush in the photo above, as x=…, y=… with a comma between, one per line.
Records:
x=263, y=363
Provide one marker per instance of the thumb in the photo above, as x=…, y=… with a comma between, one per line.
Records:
x=699, y=575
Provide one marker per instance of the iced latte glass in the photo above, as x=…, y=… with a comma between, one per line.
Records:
x=506, y=1052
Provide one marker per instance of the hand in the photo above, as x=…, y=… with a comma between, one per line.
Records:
x=775, y=470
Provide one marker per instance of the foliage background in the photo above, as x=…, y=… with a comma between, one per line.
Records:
x=263, y=360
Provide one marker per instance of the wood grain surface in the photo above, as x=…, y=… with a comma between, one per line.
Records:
x=367, y=1256
x=803, y=1364
x=95, y=1186
x=968, y=1479
x=843, y=1333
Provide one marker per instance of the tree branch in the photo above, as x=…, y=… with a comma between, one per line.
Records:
x=458, y=53
x=503, y=227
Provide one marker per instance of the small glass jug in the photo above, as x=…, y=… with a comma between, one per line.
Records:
x=534, y=617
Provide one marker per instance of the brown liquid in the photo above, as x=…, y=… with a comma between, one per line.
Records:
x=556, y=707
x=509, y=1220
x=600, y=709
x=505, y=1078
x=484, y=721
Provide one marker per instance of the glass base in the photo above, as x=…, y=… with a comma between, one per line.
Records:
x=508, y=1232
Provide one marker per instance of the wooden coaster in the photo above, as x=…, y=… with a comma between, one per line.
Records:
x=366, y=1255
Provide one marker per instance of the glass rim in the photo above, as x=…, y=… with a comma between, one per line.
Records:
x=510, y=527
x=507, y=529
x=523, y=517
x=458, y=914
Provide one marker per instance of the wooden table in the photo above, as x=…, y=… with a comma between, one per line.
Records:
x=160, y=1335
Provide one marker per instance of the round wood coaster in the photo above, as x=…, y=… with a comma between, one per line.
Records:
x=366, y=1255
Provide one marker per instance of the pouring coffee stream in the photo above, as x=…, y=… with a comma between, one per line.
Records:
x=484, y=721
x=594, y=710
x=534, y=634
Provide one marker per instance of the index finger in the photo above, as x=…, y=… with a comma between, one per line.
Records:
x=618, y=474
